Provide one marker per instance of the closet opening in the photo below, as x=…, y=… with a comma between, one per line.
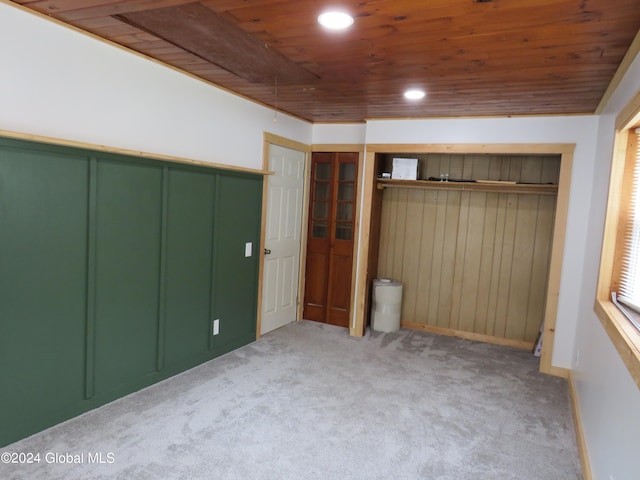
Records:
x=476, y=239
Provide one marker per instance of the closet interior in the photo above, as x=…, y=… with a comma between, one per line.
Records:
x=470, y=239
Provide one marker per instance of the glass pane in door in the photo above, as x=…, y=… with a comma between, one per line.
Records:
x=323, y=171
x=321, y=191
x=344, y=211
x=343, y=231
x=347, y=172
x=345, y=192
x=320, y=210
x=319, y=229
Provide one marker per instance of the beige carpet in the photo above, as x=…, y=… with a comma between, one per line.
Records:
x=309, y=402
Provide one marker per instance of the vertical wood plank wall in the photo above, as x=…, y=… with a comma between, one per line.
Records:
x=472, y=261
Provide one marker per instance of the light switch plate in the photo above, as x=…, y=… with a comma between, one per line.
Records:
x=216, y=326
x=248, y=247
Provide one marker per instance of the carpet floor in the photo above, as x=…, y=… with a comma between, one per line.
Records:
x=308, y=401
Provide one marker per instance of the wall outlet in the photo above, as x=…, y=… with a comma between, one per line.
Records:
x=216, y=326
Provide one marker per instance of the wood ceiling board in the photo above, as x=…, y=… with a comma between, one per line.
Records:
x=76, y=10
x=202, y=32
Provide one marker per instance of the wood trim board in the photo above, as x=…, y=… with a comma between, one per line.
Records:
x=123, y=151
x=337, y=147
x=471, y=148
x=353, y=323
x=555, y=268
x=284, y=142
x=478, y=186
x=580, y=438
x=368, y=180
x=521, y=344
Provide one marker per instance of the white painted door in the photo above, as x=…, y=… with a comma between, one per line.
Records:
x=282, y=239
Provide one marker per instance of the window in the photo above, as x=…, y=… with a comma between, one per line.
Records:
x=618, y=296
x=625, y=285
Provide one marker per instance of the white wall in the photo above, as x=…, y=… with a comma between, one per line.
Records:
x=60, y=83
x=332, y=133
x=609, y=398
x=580, y=130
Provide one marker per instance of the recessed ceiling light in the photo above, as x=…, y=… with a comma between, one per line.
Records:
x=414, y=94
x=335, y=20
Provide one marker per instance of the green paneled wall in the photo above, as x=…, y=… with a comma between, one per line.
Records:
x=188, y=270
x=232, y=299
x=112, y=270
x=128, y=242
x=42, y=283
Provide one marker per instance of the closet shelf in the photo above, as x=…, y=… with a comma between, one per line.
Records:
x=474, y=186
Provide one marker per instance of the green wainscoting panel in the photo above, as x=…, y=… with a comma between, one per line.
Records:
x=237, y=222
x=188, y=270
x=112, y=270
x=43, y=234
x=128, y=229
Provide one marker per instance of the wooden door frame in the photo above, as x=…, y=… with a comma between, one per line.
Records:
x=360, y=149
x=565, y=151
x=268, y=140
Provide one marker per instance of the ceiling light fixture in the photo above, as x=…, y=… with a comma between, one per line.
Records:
x=414, y=94
x=335, y=20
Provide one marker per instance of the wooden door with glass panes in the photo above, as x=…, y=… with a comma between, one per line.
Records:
x=327, y=293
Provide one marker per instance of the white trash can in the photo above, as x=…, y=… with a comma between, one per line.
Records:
x=386, y=303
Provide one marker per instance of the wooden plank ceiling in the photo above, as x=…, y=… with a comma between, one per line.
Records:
x=473, y=57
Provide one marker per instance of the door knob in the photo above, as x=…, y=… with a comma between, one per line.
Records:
x=267, y=251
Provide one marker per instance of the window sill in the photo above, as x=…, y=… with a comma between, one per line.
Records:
x=623, y=335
